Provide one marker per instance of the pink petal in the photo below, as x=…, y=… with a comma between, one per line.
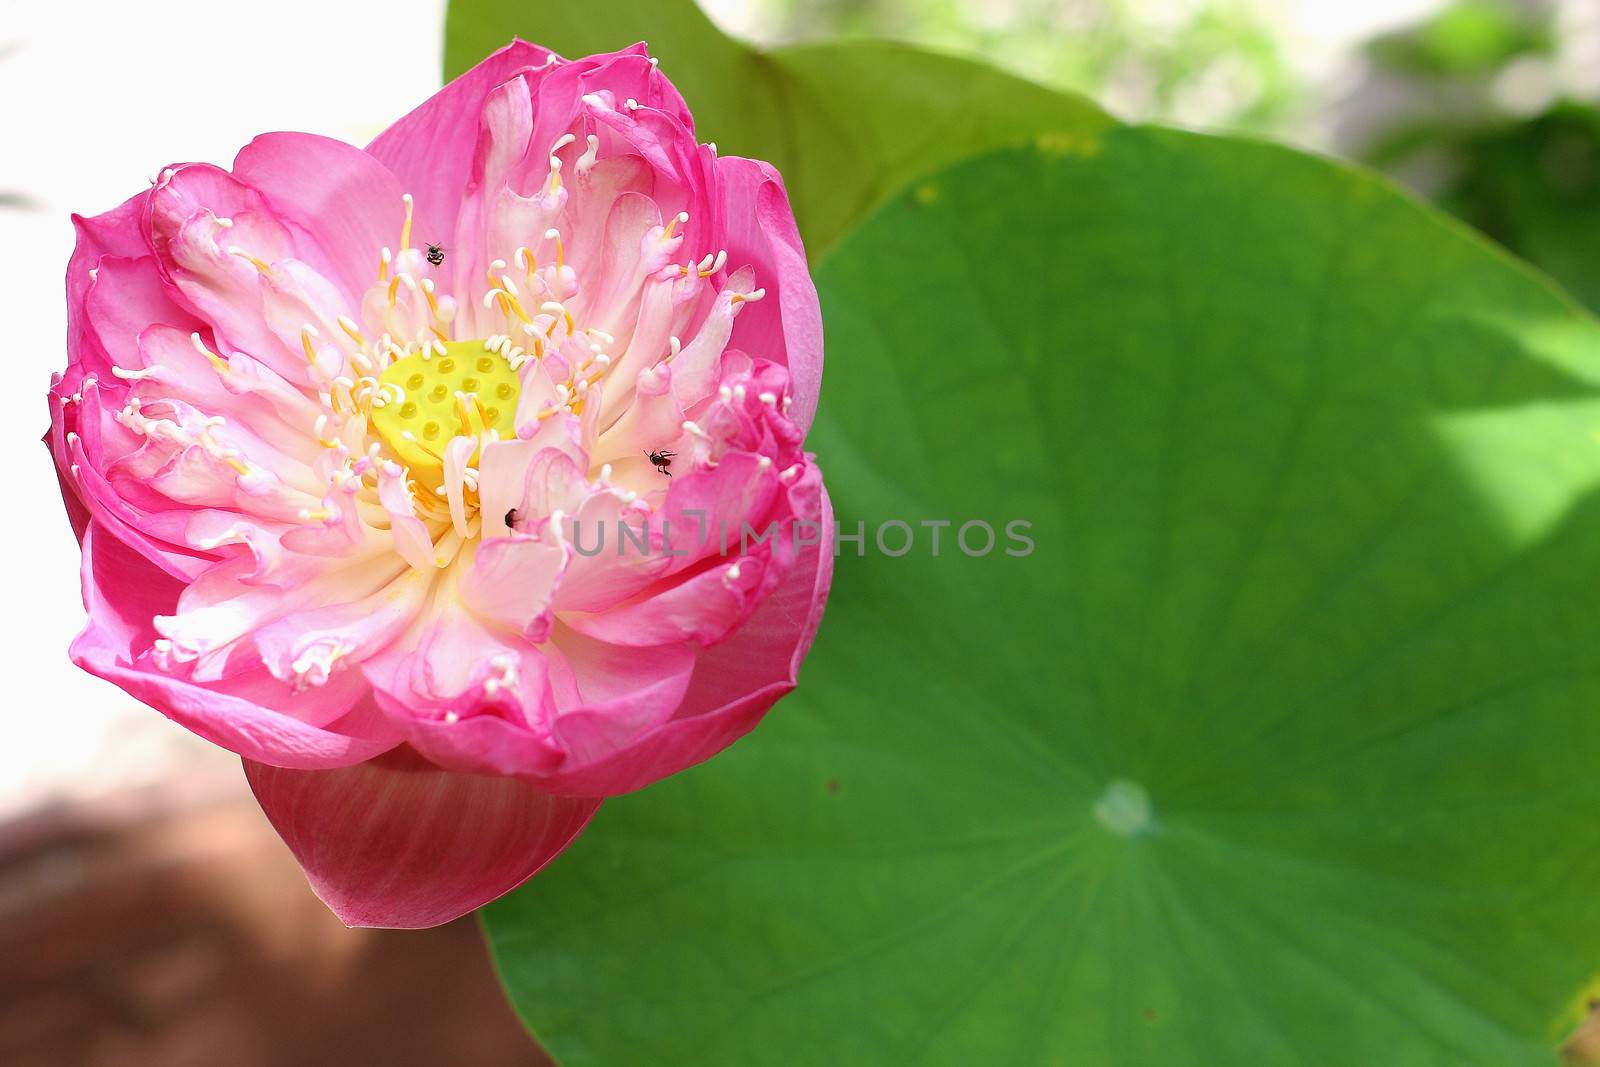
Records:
x=117, y=232
x=485, y=744
x=127, y=297
x=625, y=73
x=702, y=607
x=786, y=327
x=432, y=149
x=195, y=215
x=594, y=580
x=77, y=512
x=653, y=420
x=512, y=581
x=123, y=591
x=733, y=685
x=320, y=641
x=347, y=201
x=589, y=208
x=610, y=694
x=80, y=476
x=502, y=482
x=250, y=394
x=610, y=270
x=398, y=842
x=695, y=370
x=469, y=697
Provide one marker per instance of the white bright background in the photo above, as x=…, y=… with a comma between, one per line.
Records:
x=95, y=98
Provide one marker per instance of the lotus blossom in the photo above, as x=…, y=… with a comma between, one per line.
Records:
x=340, y=427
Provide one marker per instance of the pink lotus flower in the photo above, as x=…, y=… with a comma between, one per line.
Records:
x=339, y=429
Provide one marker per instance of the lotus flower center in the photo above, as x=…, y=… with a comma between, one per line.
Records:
x=426, y=399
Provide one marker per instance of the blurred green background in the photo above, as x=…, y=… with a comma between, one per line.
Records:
x=1487, y=107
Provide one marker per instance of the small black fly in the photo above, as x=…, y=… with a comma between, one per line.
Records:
x=662, y=459
x=436, y=255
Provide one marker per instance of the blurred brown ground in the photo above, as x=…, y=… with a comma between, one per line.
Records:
x=142, y=932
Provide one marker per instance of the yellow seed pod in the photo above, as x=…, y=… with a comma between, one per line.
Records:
x=432, y=398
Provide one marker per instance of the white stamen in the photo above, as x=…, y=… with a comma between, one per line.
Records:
x=194, y=339
x=590, y=155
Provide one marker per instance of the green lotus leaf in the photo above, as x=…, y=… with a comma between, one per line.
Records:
x=1278, y=748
